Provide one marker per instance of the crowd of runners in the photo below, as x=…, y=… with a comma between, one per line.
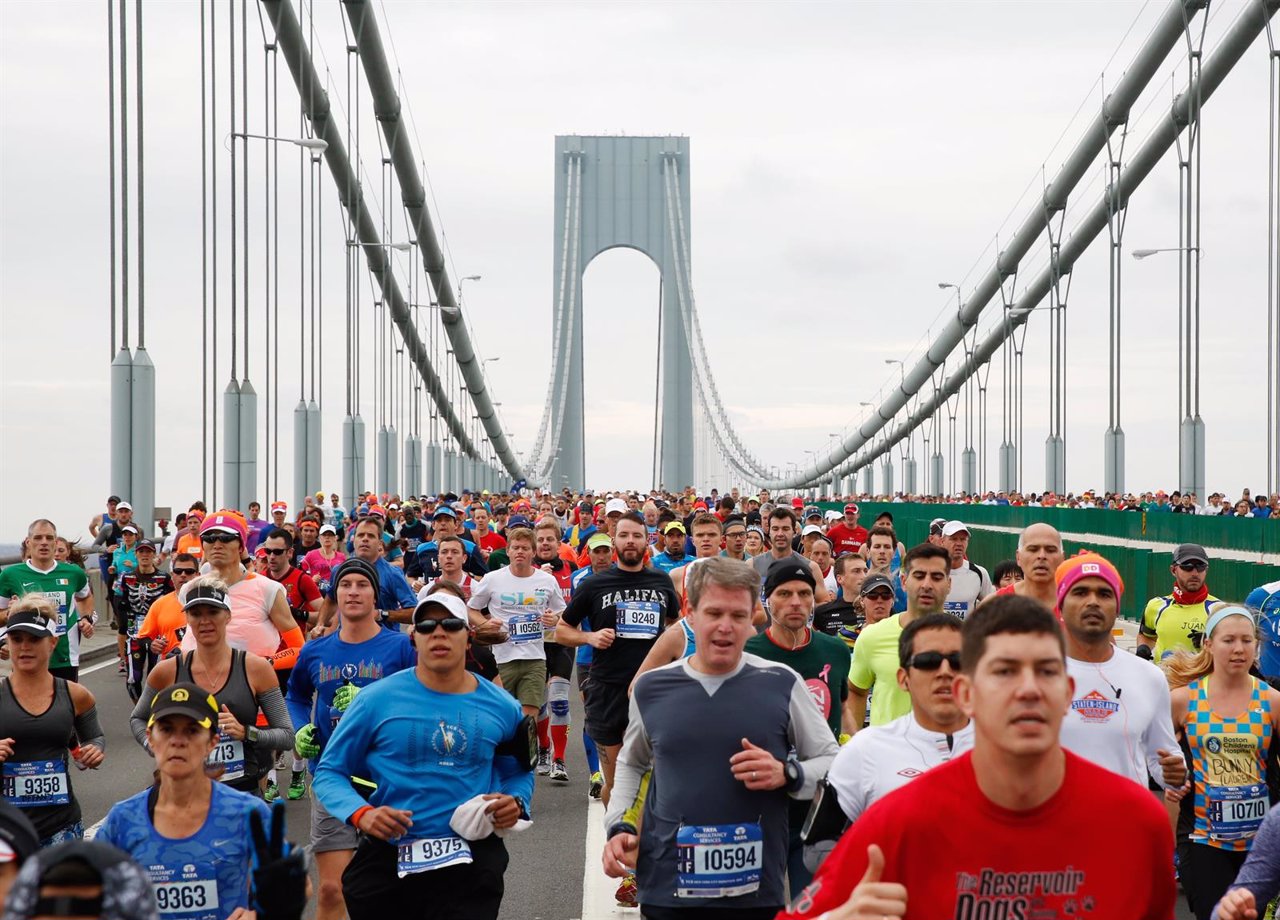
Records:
x=788, y=713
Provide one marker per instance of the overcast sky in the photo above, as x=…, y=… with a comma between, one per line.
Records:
x=845, y=159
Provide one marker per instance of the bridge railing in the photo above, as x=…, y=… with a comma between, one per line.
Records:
x=1243, y=552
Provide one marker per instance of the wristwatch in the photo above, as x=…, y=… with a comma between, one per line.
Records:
x=251, y=734
x=524, y=808
x=794, y=773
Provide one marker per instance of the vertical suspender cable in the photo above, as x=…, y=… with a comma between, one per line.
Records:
x=231, y=42
x=244, y=170
x=213, y=244
x=124, y=183
x=204, y=268
x=142, y=305
x=275, y=278
x=111, y=155
x=266, y=257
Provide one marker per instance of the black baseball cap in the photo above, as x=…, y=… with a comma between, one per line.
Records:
x=188, y=700
x=785, y=570
x=205, y=594
x=31, y=622
x=875, y=581
x=1190, y=552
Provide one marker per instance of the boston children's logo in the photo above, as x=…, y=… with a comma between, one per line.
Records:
x=1094, y=707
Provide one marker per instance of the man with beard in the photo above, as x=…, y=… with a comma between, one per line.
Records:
x=1176, y=620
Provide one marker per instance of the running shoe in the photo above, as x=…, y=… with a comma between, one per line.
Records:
x=544, y=761
x=297, y=786
x=271, y=793
x=625, y=896
x=597, y=784
x=558, y=771
x=121, y=667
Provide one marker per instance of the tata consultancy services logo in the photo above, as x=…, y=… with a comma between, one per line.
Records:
x=1094, y=707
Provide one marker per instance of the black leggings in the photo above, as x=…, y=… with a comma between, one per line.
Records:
x=1206, y=873
x=465, y=892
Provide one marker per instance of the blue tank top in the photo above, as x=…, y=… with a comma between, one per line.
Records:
x=689, y=645
x=201, y=877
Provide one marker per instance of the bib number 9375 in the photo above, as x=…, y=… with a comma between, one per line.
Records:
x=430, y=853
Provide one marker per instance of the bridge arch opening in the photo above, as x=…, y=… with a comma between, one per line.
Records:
x=621, y=303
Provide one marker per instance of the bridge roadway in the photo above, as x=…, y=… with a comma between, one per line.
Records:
x=553, y=865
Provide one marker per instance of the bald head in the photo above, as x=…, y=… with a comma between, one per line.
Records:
x=1039, y=553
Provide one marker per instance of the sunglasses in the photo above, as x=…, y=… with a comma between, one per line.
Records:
x=183, y=571
x=450, y=624
x=879, y=596
x=931, y=661
x=274, y=552
x=1193, y=566
x=218, y=537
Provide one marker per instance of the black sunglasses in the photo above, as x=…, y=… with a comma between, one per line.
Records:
x=1193, y=566
x=280, y=551
x=931, y=661
x=183, y=571
x=879, y=595
x=216, y=536
x=428, y=626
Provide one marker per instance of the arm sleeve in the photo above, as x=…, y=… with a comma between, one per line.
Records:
x=138, y=718
x=300, y=693
x=89, y=730
x=634, y=761
x=811, y=736
x=287, y=657
x=1260, y=873
x=278, y=736
x=343, y=758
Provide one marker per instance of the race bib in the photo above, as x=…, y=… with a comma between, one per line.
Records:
x=958, y=609
x=31, y=783
x=718, y=860
x=59, y=600
x=525, y=627
x=188, y=891
x=1235, y=812
x=229, y=755
x=430, y=853
x=638, y=619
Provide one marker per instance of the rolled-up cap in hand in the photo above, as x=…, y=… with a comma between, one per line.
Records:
x=354, y=565
x=785, y=570
x=1086, y=565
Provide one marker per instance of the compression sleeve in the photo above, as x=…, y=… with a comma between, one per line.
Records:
x=287, y=657
x=634, y=761
x=89, y=730
x=811, y=736
x=278, y=736
x=141, y=713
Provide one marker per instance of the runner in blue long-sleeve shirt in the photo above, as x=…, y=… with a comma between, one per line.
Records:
x=453, y=760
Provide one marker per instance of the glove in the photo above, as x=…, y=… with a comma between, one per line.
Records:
x=343, y=696
x=304, y=742
x=279, y=869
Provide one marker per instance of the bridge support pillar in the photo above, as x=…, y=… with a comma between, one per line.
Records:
x=248, y=467
x=142, y=459
x=969, y=470
x=122, y=425
x=937, y=469
x=1008, y=467
x=1191, y=476
x=301, y=448
x=1055, y=464
x=413, y=465
x=1113, y=460
x=909, y=475
x=432, y=469
x=231, y=445
x=314, y=473
x=886, y=478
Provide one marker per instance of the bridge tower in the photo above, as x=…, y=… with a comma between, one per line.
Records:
x=609, y=192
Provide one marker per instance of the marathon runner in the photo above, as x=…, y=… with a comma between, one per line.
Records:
x=396, y=599
x=1227, y=725
x=242, y=684
x=600, y=556
x=67, y=588
x=189, y=833
x=673, y=554
x=628, y=607
x=165, y=623
x=1038, y=557
x=844, y=617
x=1119, y=715
x=300, y=589
x=1177, y=620
x=730, y=739
x=822, y=662
x=136, y=591
x=970, y=582
x=329, y=673
x=883, y=558
x=881, y=759
x=553, y=716
x=453, y=759
x=707, y=533
x=926, y=571
x=1264, y=600
x=735, y=538
x=1009, y=829
x=847, y=536
x=36, y=750
x=320, y=563
x=527, y=602
x=818, y=551
x=782, y=531
x=444, y=523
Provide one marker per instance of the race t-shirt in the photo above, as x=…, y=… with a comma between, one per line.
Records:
x=875, y=665
x=320, y=568
x=961, y=856
x=165, y=620
x=638, y=606
x=63, y=585
x=518, y=602
x=969, y=584
x=840, y=619
x=846, y=539
x=823, y=664
x=250, y=628
x=1174, y=626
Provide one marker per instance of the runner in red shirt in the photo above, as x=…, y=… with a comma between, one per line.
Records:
x=1017, y=828
x=847, y=536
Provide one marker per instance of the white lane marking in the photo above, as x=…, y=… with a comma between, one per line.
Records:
x=113, y=662
x=598, y=888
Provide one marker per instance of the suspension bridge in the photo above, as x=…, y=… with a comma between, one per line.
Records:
x=419, y=412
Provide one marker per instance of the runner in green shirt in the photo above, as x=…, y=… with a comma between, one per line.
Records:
x=926, y=577
x=64, y=584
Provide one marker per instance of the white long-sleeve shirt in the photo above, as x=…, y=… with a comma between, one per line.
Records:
x=1119, y=716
